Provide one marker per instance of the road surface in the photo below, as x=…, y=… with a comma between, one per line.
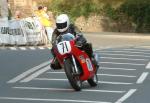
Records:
x=25, y=76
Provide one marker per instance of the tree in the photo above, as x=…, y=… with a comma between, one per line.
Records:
x=139, y=10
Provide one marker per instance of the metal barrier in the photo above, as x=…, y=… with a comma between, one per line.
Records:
x=4, y=32
x=39, y=27
x=34, y=33
x=17, y=36
x=26, y=31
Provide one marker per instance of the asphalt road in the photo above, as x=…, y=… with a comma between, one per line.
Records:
x=25, y=77
x=112, y=39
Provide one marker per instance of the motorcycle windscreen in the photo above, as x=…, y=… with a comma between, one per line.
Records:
x=67, y=37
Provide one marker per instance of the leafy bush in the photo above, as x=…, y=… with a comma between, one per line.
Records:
x=136, y=10
x=139, y=10
x=74, y=8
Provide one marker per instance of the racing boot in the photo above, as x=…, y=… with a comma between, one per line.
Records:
x=55, y=64
x=94, y=61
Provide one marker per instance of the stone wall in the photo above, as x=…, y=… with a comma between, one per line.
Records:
x=97, y=23
x=89, y=24
x=25, y=6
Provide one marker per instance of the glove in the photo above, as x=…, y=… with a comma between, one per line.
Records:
x=80, y=40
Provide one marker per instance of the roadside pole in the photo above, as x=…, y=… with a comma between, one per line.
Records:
x=4, y=8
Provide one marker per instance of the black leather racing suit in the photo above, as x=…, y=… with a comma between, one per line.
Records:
x=80, y=40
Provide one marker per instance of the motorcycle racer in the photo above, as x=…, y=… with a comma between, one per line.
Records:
x=63, y=26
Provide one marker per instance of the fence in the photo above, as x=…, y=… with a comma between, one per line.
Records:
x=26, y=31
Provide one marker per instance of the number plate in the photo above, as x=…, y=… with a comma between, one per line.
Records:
x=89, y=65
x=64, y=47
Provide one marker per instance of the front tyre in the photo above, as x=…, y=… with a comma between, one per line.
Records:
x=93, y=81
x=73, y=80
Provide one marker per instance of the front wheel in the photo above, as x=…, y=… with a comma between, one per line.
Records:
x=73, y=80
x=93, y=81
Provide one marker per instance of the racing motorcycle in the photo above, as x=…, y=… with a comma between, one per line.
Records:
x=77, y=65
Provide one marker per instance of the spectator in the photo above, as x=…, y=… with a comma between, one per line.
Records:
x=18, y=15
x=41, y=13
x=51, y=16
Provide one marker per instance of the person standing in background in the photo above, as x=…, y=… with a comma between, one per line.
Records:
x=41, y=13
x=18, y=15
x=52, y=18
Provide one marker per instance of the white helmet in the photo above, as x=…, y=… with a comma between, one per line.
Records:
x=62, y=22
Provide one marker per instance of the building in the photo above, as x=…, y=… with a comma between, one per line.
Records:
x=25, y=6
x=3, y=8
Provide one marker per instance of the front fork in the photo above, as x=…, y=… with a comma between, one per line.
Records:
x=76, y=70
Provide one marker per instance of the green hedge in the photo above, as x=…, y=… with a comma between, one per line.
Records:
x=74, y=8
x=138, y=11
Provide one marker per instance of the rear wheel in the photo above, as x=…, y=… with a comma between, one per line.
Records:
x=73, y=79
x=94, y=80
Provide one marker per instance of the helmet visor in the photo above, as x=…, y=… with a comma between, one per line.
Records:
x=61, y=25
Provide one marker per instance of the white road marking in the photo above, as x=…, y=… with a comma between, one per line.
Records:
x=126, y=96
x=34, y=75
x=125, y=52
x=142, y=77
x=123, y=58
x=51, y=100
x=138, y=50
x=126, y=55
x=116, y=68
x=117, y=83
x=41, y=48
x=61, y=89
x=56, y=72
x=148, y=66
x=101, y=82
x=24, y=74
x=50, y=79
x=120, y=63
x=13, y=48
x=22, y=48
x=113, y=75
x=32, y=48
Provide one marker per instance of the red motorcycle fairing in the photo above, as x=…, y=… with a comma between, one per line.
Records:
x=85, y=62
